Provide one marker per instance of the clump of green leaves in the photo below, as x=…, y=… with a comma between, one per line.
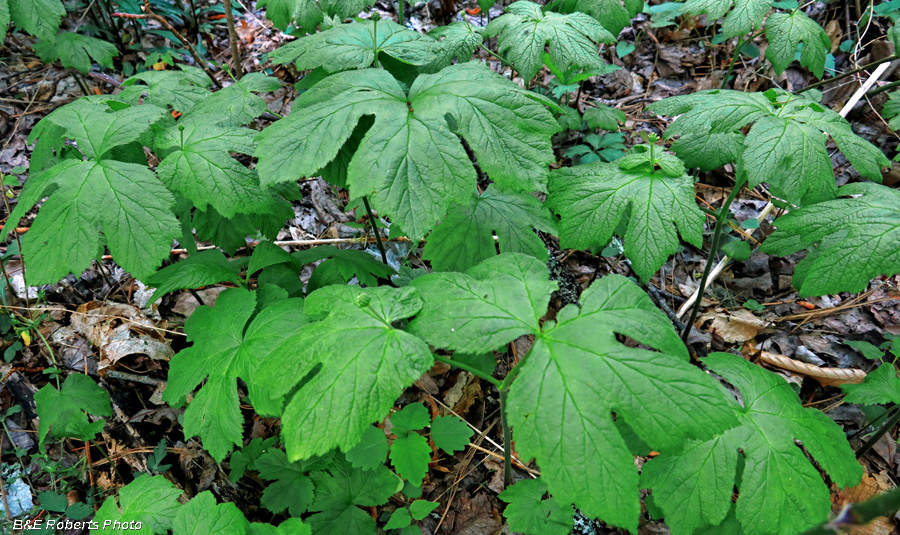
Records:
x=784, y=146
x=525, y=30
x=851, y=240
x=76, y=51
x=575, y=363
x=64, y=412
x=648, y=187
x=781, y=492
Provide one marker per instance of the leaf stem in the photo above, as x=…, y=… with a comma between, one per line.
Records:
x=721, y=217
x=465, y=367
x=400, y=15
x=507, y=438
x=734, y=58
x=888, y=425
x=375, y=229
x=848, y=73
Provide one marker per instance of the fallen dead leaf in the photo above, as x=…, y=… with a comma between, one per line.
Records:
x=118, y=330
x=735, y=325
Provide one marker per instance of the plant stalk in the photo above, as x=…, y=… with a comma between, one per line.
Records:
x=401, y=16
x=888, y=425
x=721, y=217
x=734, y=58
x=883, y=88
x=848, y=73
x=233, y=40
x=375, y=229
x=465, y=367
x=507, y=439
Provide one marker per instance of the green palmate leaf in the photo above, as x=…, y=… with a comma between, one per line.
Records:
x=291, y=526
x=577, y=374
x=458, y=40
x=891, y=110
x=410, y=162
x=358, y=361
x=124, y=200
x=203, y=516
x=200, y=269
x=354, y=46
x=75, y=51
x=291, y=489
x=40, y=18
x=342, y=490
x=309, y=13
x=371, y=451
x=525, y=30
x=603, y=116
x=63, y=411
x=781, y=492
x=234, y=105
x=229, y=234
x=855, y=239
x=615, y=15
x=198, y=166
x=268, y=254
x=152, y=501
x=880, y=386
x=245, y=458
x=592, y=200
x=508, y=295
x=528, y=512
x=4, y=17
x=708, y=152
x=410, y=455
x=466, y=236
x=745, y=16
x=785, y=31
x=228, y=344
x=785, y=145
x=343, y=265
x=180, y=90
x=450, y=434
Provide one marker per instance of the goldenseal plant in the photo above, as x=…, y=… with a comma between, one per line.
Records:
x=463, y=163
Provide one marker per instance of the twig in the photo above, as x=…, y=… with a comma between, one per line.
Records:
x=233, y=39
x=124, y=376
x=149, y=14
x=5, y=499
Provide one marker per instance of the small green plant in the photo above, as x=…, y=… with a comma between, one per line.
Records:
x=608, y=148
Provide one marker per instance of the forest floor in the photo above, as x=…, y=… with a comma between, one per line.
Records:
x=101, y=321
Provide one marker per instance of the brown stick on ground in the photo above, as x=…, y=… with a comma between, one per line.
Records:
x=149, y=14
x=233, y=40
